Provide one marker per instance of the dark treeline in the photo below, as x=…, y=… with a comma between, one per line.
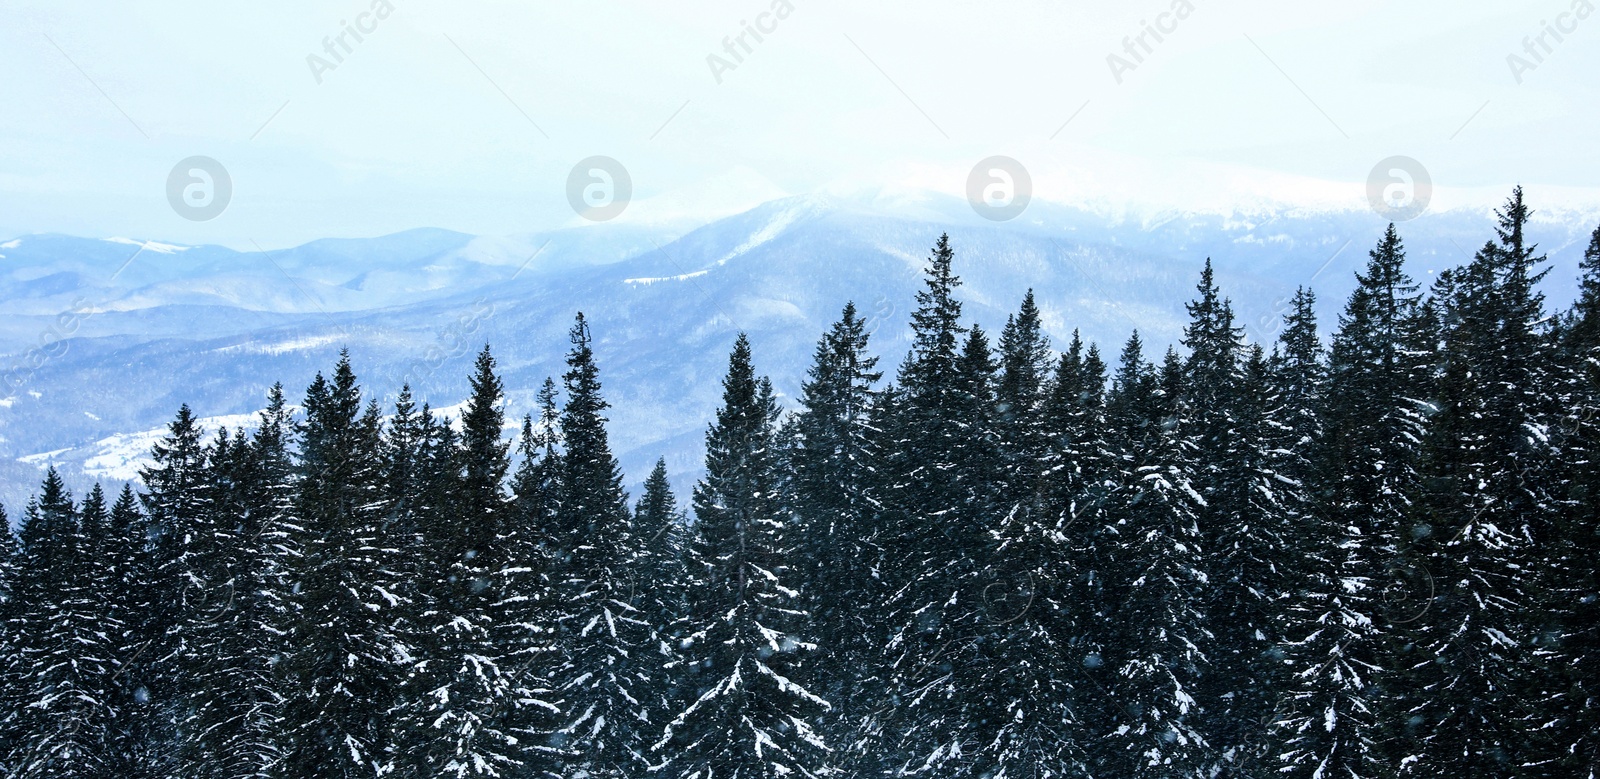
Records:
x=1373, y=556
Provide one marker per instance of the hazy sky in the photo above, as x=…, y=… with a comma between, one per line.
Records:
x=469, y=115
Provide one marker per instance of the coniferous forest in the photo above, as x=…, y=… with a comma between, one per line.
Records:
x=1365, y=550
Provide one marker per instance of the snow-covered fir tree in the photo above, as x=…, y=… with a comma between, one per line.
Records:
x=934, y=538
x=529, y=607
x=1154, y=633
x=660, y=586
x=1031, y=611
x=461, y=683
x=10, y=664
x=745, y=654
x=606, y=640
x=1571, y=694
x=225, y=639
x=1327, y=720
x=177, y=500
x=833, y=463
x=1486, y=507
x=341, y=665
x=64, y=659
x=1232, y=410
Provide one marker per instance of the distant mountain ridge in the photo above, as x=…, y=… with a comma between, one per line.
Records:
x=214, y=327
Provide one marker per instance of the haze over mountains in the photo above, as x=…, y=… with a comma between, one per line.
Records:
x=152, y=325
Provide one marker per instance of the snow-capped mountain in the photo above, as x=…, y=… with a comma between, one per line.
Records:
x=104, y=339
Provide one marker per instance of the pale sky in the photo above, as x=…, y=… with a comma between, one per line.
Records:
x=470, y=115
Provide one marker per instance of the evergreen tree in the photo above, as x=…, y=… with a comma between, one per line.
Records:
x=1025, y=362
x=529, y=607
x=224, y=643
x=1078, y=481
x=1324, y=721
x=751, y=714
x=464, y=686
x=935, y=538
x=64, y=660
x=1033, y=613
x=10, y=662
x=1228, y=403
x=404, y=470
x=1300, y=377
x=1582, y=330
x=975, y=450
x=536, y=486
x=8, y=552
x=425, y=472
x=1485, y=509
x=833, y=462
x=594, y=546
x=1152, y=644
x=341, y=665
x=659, y=590
x=1353, y=584
x=135, y=749
x=177, y=502
x=658, y=515
x=1573, y=595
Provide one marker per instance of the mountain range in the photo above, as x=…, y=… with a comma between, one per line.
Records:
x=103, y=339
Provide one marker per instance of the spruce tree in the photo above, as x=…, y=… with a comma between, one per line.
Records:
x=1020, y=394
x=975, y=450
x=536, y=485
x=745, y=655
x=223, y=631
x=64, y=660
x=833, y=461
x=1152, y=642
x=1582, y=330
x=177, y=503
x=659, y=517
x=1324, y=719
x=1033, y=607
x=10, y=662
x=341, y=665
x=1573, y=595
x=1354, y=584
x=1228, y=403
x=659, y=590
x=935, y=540
x=595, y=543
x=1077, y=486
x=465, y=685
x=1484, y=513
x=1300, y=376
x=425, y=471
x=530, y=607
x=135, y=747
